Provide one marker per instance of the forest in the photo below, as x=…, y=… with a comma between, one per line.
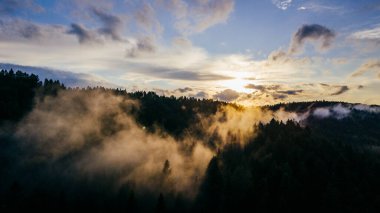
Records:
x=109, y=150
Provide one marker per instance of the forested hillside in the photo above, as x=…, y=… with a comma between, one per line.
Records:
x=110, y=150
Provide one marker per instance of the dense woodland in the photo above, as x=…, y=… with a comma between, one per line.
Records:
x=319, y=165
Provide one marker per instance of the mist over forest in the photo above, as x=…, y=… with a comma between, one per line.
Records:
x=109, y=150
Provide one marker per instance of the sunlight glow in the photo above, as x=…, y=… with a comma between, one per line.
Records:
x=238, y=84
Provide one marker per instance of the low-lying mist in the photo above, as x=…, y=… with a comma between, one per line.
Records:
x=95, y=134
x=90, y=143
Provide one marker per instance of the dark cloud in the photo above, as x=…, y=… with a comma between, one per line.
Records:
x=275, y=91
x=313, y=32
x=227, y=95
x=177, y=74
x=291, y=92
x=112, y=24
x=277, y=96
x=263, y=88
x=281, y=95
x=84, y=35
x=18, y=28
x=12, y=7
x=341, y=90
x=183, y=90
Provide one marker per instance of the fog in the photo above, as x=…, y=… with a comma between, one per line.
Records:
x=96, y=134
x=92, y=137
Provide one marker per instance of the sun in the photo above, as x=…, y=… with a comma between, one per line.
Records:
x=239, y=82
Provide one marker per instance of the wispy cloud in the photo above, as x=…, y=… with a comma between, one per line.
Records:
x=21, y=30
x=372, y=65
x=112, y=24
x=145, y=16
x=316, y=7
x=140, y=47
x=372, y=34
x=282, y=4
x=197, y=16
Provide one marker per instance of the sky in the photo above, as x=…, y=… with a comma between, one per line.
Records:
x=249, y=52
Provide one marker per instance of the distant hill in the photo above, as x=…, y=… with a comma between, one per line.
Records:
x=70, y=79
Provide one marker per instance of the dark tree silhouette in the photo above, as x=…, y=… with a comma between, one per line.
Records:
x=161, y=207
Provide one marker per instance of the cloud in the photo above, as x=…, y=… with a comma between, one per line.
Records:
x=372, y=35
x=18, y=28
x=140, y=47
x=112, y=24
x=22, y=30
x=145, y=16
x=277, y=96
x=363, y=107
x=281, y=58
x=181, y=42
x=271, y=93
x=369, y=66
x=291, y=92
x=315, y=7
x=81, y=10
x=322, y=113
x=13, y=7
x=337, y=111
x=183, y=90
x=227, y=95
x=178, y=74
x=84, y=35
x=282, y=4
x=275, y=91
x=196, y=16
x=313, y=32
x=341, y=90
x=261, y=88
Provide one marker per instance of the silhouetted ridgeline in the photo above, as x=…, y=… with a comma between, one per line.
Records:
x=107, y=150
